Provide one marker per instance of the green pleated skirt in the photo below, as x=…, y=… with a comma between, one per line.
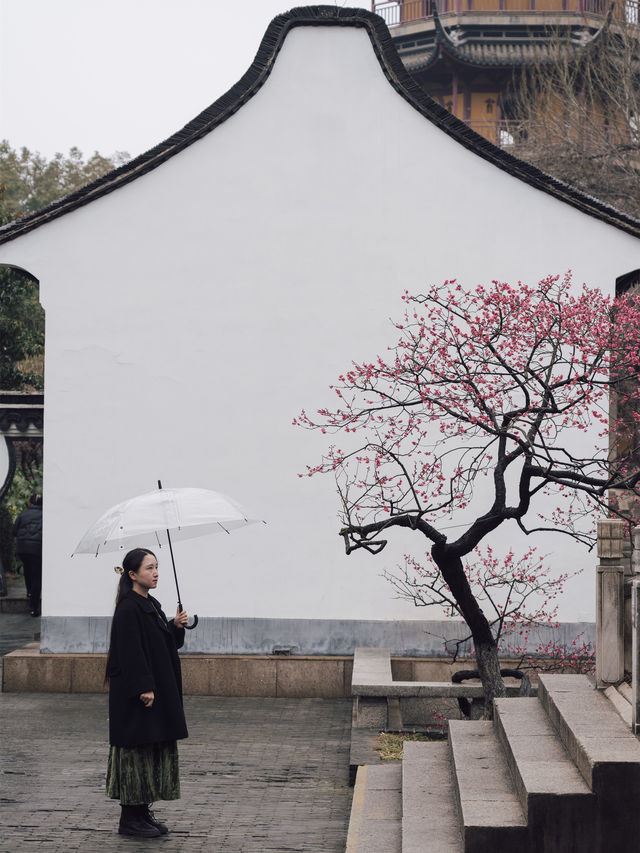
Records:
x=143, y=774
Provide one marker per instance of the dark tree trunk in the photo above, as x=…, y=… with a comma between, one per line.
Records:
x=489, y=669
x=486, y=647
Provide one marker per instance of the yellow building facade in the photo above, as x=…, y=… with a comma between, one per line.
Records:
x=464, y=53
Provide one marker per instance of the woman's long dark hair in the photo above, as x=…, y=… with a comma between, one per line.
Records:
x=131, y=563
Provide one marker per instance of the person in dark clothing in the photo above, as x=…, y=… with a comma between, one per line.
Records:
x=28, y=532
x=146, y=716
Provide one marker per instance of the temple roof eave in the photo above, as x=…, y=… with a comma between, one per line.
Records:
x=500, y=53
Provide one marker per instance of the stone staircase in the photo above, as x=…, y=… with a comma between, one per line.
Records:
x=556, y=774
x=13, y=597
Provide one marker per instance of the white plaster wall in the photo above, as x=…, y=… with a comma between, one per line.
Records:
x=194, y=312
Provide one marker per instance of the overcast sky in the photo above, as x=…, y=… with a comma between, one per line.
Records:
x=120, y=75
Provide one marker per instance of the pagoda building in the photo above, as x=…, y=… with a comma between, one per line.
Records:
x=464, y=53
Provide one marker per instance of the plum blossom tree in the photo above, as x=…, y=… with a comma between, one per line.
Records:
x=491, y=407
x=516, y=594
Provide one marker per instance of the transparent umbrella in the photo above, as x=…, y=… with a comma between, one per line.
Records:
x=180, y=513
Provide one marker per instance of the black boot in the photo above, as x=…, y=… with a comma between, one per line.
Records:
x=133, y=823
x=149, y=817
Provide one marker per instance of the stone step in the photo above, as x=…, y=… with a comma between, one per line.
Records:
x=491, y=814
x=430, y=820
x=620, y=703
x=14, y=604
x=557, y=801
x=375, y=825
x=625, y=691
x=591, y=729
x=604, y=750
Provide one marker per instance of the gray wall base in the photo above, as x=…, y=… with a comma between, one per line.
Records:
x=222, y=635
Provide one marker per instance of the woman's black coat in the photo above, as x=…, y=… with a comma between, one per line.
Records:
x=143, y=657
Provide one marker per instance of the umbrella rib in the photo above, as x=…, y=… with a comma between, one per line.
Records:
x=111, y=529
x=223, y=527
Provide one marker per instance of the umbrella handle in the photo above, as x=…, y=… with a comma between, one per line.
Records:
x=195, y=618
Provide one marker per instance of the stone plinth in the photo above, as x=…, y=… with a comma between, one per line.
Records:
x=28, y=671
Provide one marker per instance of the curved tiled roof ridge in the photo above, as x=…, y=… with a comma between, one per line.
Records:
x=255, y=77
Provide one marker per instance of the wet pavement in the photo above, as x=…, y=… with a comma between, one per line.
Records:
x=17, y=629
x=257, y=775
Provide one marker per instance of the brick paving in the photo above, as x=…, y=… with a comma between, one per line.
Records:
x=257, y=775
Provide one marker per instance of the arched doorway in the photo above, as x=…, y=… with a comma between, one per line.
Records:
x=21, y=401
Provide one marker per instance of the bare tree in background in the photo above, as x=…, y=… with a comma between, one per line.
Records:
x=576, y=113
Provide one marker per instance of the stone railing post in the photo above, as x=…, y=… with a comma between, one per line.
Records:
x=610, y=603
x=631, y=572
x=635, y=554
x=635, y=657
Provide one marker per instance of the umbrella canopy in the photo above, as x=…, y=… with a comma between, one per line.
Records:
x=186, y=513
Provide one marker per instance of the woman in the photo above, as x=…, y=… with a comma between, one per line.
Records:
x=146, y=717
